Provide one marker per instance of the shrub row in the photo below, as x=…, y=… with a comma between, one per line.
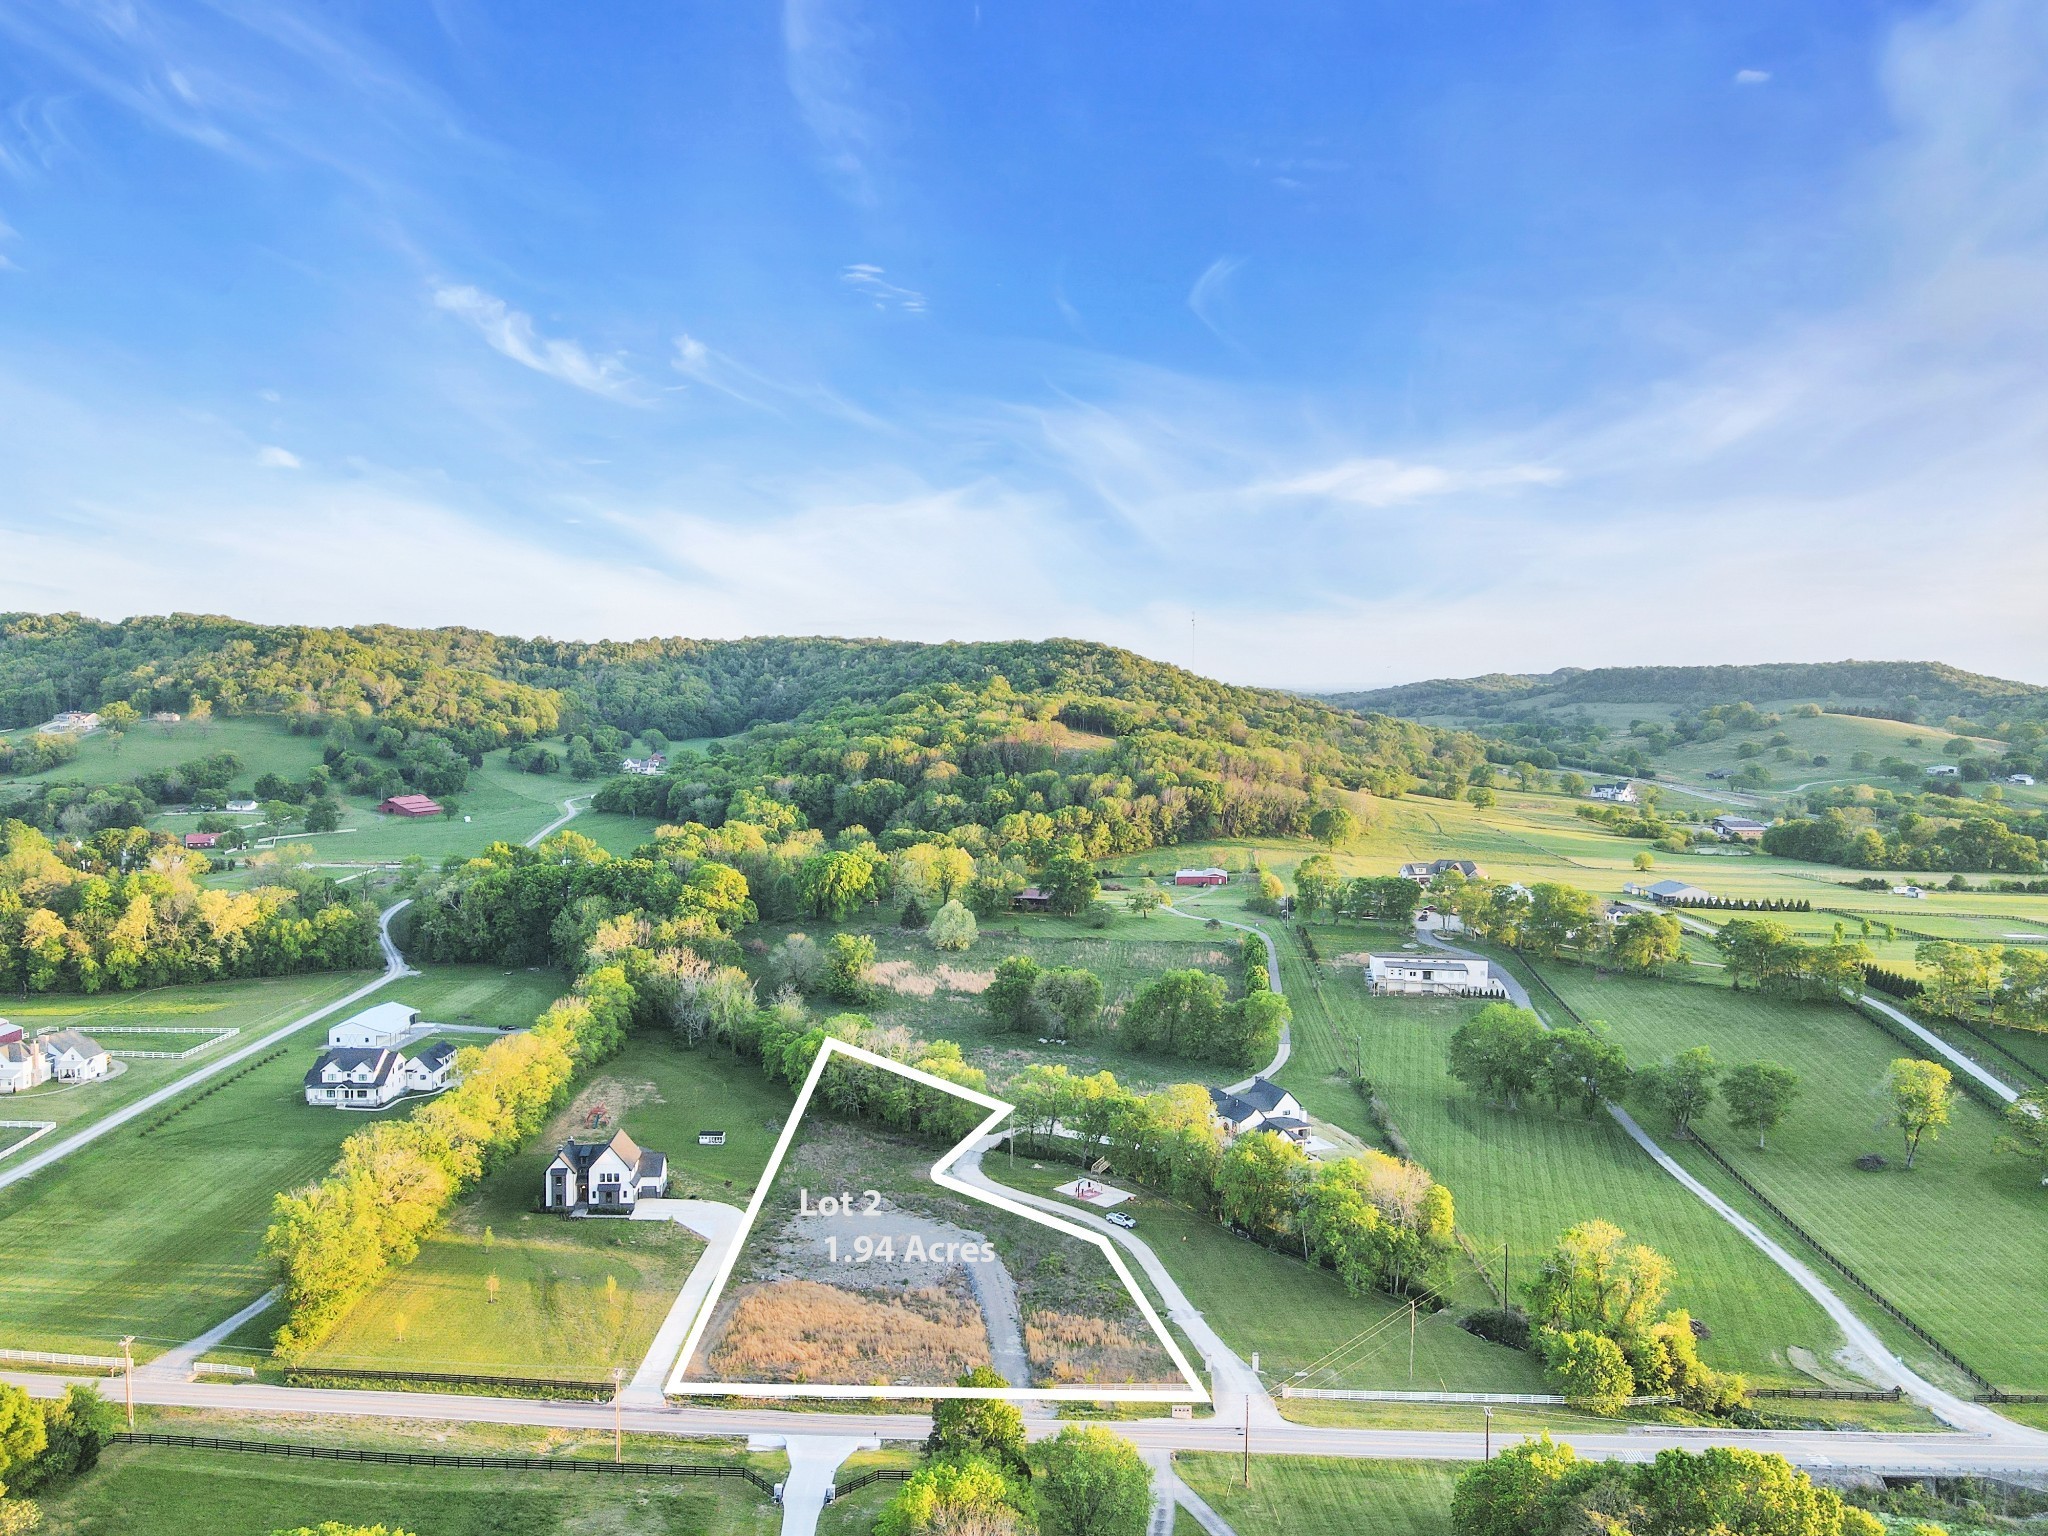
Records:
x=209, y=1091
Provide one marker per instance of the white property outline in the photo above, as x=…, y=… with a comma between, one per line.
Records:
x=998, y=1111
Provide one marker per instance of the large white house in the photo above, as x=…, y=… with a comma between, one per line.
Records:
x=613, y=1175
x=369, y=1077
x=1263, y=1106
x=384, y=1026
x=1623, y=791
x=1432, y=976
x=73, y=1057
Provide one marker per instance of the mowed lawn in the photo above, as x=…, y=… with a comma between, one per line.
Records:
x=1961, y=1242
x=574, y=1298
x=1521, y=1178
x=1324, y=1496
x=160, y=1491
x=255, y=1007
x=1296, y=1316
x=155, y=1229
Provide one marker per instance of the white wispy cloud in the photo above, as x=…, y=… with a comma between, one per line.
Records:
x=873, y=284
x=822, y=45
x=512, y=333
x=270, y=456
x=1752, y=77
x=1393, y=482
x=1209, y=289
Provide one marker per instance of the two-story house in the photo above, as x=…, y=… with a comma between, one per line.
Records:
x=613, y=1175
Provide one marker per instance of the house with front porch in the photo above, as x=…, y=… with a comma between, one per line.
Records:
x=1431, y=976
x=613, y=1175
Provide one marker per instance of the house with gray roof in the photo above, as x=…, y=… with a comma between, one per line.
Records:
x=75, y=1057
x=356, y=1078
x=605, y=1176
x=1261, y=1106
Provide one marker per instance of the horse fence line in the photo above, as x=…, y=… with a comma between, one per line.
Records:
x=444, y=1459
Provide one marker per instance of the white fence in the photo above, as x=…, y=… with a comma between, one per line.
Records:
x=34, y=1128
x=46, y=1357
x=213, y=1037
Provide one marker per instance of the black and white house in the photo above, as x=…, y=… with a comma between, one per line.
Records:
x=613, y=1175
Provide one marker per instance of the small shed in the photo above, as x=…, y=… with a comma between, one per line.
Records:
x=410, y=805
x=202, y=839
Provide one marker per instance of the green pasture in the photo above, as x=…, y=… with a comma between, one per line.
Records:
x=574, y=1297
x=1293, y=1314
x=909, y=968
x=255, y=1007
x=1960, y=1243
x=163, y=1491
x=262, y=743
x=1521, y=1178
x=1323, y=1496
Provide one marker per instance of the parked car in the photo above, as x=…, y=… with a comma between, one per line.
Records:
x=1119, y=1219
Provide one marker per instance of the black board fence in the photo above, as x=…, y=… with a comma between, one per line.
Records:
x=1891, y=1310
x=866, y=1479
x=1830, y=1394
x=446, y=1460
x=581, y=1391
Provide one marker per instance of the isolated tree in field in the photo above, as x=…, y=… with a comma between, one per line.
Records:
x=1958, y=976
x=1582, y=1069
x=978, y=1426
x=1070, y=999
x=1316, y=885
x=322, y=814
x=1011, y=997
x=1597, y=1279
x=2025, y=1131
x=1145, y=900
x=1682, y=1087
x=849, y=959
x=1559, y=917
x=1758, y=1094
x=1069, y=883
x=953, y=928
x=1092, y=1482
x=1331, y=825
x=1921, y=1094
x=1646, y=941
x=1496, y=1052
x=1177, y=1013
x=1645, y=860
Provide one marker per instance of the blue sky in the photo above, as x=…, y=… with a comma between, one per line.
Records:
x=1382, y=340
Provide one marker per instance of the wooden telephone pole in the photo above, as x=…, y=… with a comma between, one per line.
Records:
x=618, y=1432
x=128, y=1376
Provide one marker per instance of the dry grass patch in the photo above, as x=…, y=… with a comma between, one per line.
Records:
x=907, y=978
x=1068, y=1347
x=802, y=1331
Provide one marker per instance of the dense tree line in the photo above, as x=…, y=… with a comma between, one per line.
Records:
x=1769, y=957
x=1550, y=920
x=1539, y=1488
x=2004, y=983
x=1885, y=831
x=1378, y=1222
x=45, y=1444
x=125, y=909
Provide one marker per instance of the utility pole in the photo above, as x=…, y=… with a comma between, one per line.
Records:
x=1411, y=1342
x=1489, y=1434
x=1247, y=1439
x=618, y=1432
x=128, y=1375
x=1507, y=1285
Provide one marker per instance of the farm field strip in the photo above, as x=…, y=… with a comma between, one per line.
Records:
x=1520, y=1178
x=1979, y=1238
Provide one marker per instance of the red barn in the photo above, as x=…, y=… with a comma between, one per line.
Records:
x=410, y=805
x=1201, y=877
x=202, y=839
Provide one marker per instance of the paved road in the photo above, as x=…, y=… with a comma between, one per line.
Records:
x=394, y=967
x=1231, y=1382
x=1901, y=1454
x=1935, y=1043
x=719, y=1225
x=178, y=1364
x=813, y=1462
x=571, y=808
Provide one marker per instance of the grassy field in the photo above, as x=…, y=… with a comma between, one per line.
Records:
x=253, y=1007
x=263, y=745
x=574, y=1298
x=1521, y=1178
x=1323, y=1496
x=1293, y=1314
x=916, y=997
x=855, y=1514
x=159, y=1491
x=154, y=1230
x=1960, y=1243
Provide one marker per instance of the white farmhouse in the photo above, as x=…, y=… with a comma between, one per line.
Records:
x=385, y=1025
x=1623, y=792
x=432, y=1070
x=613, y=1175
x=1944, y=771
x=1262, y=1106
x=73, y=1057
x=2019, y=778
x=356, y=1079
x=22, y=1065
x=1432, y=976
